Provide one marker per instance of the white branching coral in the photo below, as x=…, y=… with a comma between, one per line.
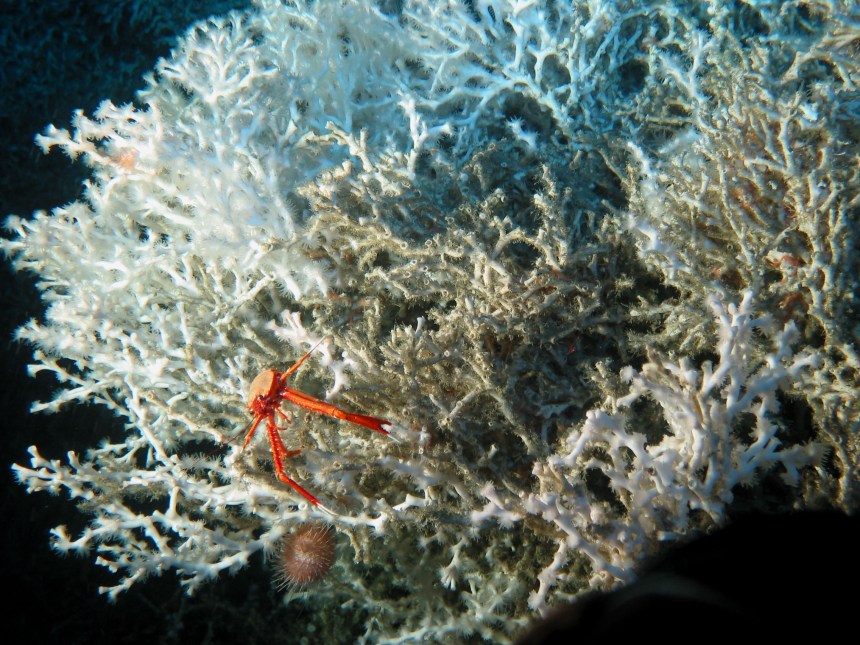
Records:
x=715, y=429
x=750, y=192
x=486, y=210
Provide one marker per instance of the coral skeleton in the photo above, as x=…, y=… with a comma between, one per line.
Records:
x=583, y=255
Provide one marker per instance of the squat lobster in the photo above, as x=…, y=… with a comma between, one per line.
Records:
x=268, y=390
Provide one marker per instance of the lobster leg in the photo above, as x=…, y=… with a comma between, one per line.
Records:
x=280, y=454
x=316, y=405
x=250, y=435
x=286, y=375
x=310, y=403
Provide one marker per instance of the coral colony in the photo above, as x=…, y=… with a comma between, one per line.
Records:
x=593, y=261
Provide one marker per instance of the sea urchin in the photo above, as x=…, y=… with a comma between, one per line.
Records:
x=305, y=556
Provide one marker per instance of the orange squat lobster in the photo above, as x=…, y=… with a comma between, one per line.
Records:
x=268, y=390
